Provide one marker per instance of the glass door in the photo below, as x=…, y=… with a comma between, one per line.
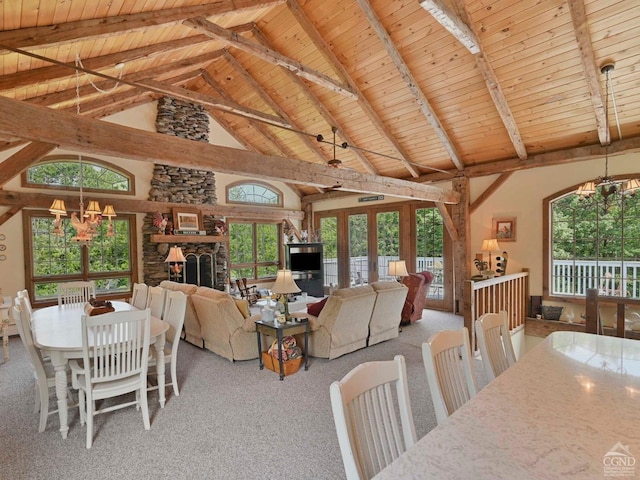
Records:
x=430, y=250
x=388, y=242
x=329, y=239
x=358, y=249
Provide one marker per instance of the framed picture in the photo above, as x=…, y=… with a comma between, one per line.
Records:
x=187, y=219
x=504, y=229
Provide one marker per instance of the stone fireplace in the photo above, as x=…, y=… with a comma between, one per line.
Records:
x=206, y=262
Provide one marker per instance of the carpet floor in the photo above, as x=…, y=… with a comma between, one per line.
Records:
x=231, y=420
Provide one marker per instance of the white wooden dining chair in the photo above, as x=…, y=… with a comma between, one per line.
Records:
x=494, y=341
x=76, y=292
x=447, y=361
x=139, y=295
x=43, y=372
x=115, y=355
x=366, y=416
x=176, y=306
x=156, y=299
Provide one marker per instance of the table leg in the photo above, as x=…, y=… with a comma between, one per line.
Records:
x=260, y=350
x=160, y=367
x=280, y=353
x=306, y=348
x=59, y=363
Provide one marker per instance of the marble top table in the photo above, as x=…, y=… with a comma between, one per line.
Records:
x=58, y=332
x=570, y=409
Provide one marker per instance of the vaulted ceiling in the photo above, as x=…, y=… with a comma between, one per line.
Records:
x=419, y=90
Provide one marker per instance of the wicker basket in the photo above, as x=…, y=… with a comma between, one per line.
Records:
x=290, y=366
x=550, y=312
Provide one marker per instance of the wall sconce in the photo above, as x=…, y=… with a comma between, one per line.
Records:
x=175, y=262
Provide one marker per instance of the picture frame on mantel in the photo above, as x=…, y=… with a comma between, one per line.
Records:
x=187, y=219
x=504, y=229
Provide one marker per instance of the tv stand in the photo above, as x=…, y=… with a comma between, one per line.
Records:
x=305, y=260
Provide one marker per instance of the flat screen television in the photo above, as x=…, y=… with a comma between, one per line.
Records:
x=305, y=261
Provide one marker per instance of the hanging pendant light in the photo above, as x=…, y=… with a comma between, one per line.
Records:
x=605, y=185
x=87, y=222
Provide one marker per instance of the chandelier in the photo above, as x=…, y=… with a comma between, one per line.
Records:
x=87, y=223
x=606, y=185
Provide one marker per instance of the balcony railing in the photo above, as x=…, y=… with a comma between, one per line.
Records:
x=611, y=278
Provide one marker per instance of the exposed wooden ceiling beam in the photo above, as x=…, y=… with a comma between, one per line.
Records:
x=268, y=55
x=95, y=137
x=319, y=106
x=412, y=83
x=256, y=87
x=10, y=213
x=49, y=35
x=591, y=70
x=373, y=116
x=23, y=159
x=454, y=25
x=121, y=204
x=494, y=89
x=448, y=222
x=489, y=191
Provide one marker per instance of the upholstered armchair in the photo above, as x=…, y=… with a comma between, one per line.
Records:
x=418, y=284
x=386, y=315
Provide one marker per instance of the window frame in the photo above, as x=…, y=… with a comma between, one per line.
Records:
x=255, y=265
x=277, y=191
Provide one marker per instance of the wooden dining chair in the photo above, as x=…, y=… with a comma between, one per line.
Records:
x=494, y=341
x=447, y=361
x=139, y=295
x=114, y=362
x=366, y=404
x=43, y=372
x=76, y=292
x=156, y=298
x=174, y=316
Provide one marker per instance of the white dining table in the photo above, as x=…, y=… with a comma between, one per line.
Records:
x=570, y=409
x=57, y=332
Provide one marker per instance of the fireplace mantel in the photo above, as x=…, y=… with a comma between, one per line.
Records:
x=157, y=238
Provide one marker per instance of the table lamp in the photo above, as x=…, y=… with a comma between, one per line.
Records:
x=175, y=257
x=491, y=246
x=398, y=269
x=283, y=286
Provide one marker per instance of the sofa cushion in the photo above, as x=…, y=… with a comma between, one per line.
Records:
x=315, y=308
x=243, y=306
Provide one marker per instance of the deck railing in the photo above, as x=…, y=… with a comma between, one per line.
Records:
x=508, y=292
x=594, y=298
x=611, y=278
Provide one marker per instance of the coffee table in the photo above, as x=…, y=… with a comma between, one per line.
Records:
x=281, y=330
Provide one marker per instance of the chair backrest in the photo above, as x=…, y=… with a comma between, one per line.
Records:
x=24, y=294
x=76, y=292
x=174, y=316
x=116, y=345
x=366, y=416
x=156, y=298
x=495, y=345
x=22, y=318
x=139, y=295
x=447, y=361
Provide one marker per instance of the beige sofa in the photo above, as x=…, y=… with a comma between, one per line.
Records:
x=217, y=323
x=387, y=311
x=355, y=317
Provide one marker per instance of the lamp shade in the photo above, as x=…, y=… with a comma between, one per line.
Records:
x=175, y=255
x=94, y=207
x=490, y=245
x=58, y=207
x=285, y=283
x=398, y=268
x=109, y=211
x=631, y=186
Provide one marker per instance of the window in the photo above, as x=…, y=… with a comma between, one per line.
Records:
x=52, y=259
x=430, y=247
x=593, y=245
x=254, y=249
x=254, y=193
x=63, y=173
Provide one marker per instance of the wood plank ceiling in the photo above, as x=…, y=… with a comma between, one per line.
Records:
x=419, y=90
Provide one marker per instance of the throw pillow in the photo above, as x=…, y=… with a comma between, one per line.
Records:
x=243, y=306
x=315, y=308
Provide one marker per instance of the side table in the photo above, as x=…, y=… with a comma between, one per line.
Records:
x=280, y=330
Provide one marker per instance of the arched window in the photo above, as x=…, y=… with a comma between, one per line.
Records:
x=254, y=193
x=592, y=243
x=62, y=172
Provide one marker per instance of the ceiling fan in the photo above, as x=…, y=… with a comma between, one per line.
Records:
x=334, y=162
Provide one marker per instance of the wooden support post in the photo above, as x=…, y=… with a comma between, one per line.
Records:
x=591, y=325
